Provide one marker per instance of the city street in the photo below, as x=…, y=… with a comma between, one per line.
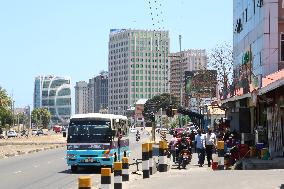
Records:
x=48, y=169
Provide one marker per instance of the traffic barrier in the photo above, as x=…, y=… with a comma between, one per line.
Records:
x=125, y=169
x=145, y=160
x=106, y=178
x=117, y=175
x=151, y=158
x=163, y=156
x=84, y=182
x=214, y=162
x=221, y=154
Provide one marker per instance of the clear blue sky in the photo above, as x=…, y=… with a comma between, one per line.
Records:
x=70, y=37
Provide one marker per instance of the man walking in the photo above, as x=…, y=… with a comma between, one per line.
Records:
x=172, y=145
x=200, y=147
x=210, y=142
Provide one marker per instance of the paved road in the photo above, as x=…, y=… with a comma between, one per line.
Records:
x=48, y=169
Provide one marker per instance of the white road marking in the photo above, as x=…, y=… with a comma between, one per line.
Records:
x=16, y=172
x=35, y=166
x=49, y=162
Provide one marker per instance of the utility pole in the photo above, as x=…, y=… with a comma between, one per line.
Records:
x=181, y=73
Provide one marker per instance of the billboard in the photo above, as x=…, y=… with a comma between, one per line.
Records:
x=201, y=83
x=114, y=31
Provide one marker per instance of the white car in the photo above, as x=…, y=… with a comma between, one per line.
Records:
x=133, y=130
x=12, y=133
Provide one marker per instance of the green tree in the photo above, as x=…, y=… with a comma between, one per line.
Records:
x=41, y=117
x=5, y=108
x=159, y=101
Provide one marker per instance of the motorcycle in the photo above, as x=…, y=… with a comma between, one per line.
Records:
x=185, y=158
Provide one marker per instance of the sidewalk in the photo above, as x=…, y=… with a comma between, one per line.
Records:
x=204, y=177
x=258, y=164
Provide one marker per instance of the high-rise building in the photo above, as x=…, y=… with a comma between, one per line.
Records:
x=138, y=66
x=81, y=97
x=101, y=92
x=92, y=97
x=258, y=41
x=188, y=60
x=54, y=93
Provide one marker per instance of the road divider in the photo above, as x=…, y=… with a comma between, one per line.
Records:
x=106, y=178
x=163, y=147
x=151, y=158
x=125, y=169
x=145, y=160
x=117, y=175
x=84, y=182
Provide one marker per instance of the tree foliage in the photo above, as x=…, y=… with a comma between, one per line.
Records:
x=6, y=116
x=221, y=59
x=159, y=101
x=41, y=117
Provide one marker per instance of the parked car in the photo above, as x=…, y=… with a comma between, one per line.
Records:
x=12, y=133
x=37, y=132
x=34, y=131
x=57, y=128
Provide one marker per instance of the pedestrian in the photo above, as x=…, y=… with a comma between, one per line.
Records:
x=210, y=143
x=200, y=147
x=172, y=145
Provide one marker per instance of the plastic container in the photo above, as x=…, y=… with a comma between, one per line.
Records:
x=263, y=152
x=259, y=146
x=252, y=151
x=215, y=165
x=221, y=145
x=215, y=158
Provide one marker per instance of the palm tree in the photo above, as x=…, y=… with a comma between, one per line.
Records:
x=5, y=100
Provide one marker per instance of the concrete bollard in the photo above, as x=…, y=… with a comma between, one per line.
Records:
x=163, y=156
x=106, y=178
x=145, y=160
x=151, y=158
x=221, y=154
x=84, y=182
x=125, y=169
x=117, y=175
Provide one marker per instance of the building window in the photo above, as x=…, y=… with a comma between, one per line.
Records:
x=282, y=46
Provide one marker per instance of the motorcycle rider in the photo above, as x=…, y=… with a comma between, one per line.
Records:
x=182, y=145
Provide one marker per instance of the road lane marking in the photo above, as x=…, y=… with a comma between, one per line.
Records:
x=35, y=166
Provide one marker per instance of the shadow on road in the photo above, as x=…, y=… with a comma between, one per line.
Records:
x=87, y=170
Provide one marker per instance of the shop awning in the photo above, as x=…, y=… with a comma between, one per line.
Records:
x=235, y=98
x=272, y=86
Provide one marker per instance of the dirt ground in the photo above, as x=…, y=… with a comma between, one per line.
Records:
x=22, y=145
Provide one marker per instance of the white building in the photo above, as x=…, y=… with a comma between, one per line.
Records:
x=138, y=66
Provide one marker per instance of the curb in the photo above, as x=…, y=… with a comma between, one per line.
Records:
x=32, y=151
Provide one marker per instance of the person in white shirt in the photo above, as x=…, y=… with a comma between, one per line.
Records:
x=210, y=142
x=200, y=147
